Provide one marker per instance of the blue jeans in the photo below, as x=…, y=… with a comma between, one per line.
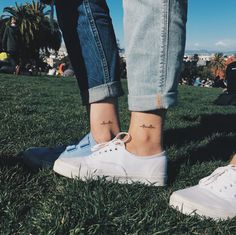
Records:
x=91, y=44
x=155, y=32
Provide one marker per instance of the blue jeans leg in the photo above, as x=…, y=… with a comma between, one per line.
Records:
x=155, y=32
x=91, y=44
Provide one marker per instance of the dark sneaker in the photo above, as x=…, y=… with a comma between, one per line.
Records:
x=41, y=157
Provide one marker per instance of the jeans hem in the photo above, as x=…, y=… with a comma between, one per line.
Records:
x=152, y=102
x=102, y=92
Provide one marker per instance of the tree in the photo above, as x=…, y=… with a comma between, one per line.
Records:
x=38, y=32
x=217, y=65
x=189, y=71
x=205, y=73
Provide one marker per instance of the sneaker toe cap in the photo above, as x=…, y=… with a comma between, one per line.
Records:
x=40, y=157
x=201, y=201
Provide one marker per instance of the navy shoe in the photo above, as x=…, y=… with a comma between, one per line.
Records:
x=37, y=158
x=43, y=157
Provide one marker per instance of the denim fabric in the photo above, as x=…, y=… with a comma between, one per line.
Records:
x=91, y=44
x=155, y=32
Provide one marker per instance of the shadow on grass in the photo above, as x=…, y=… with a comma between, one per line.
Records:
x=9, y=161
x=208, y=124
x=218, y=147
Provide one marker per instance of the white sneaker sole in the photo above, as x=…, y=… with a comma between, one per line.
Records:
x=70, y=171
x=191, y=208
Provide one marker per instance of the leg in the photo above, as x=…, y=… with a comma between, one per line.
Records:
x=155, y=48
x=153, y=68
x=91, y=44
x=104, y=122
x=146, y=130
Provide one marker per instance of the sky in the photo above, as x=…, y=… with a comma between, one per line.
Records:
x=211, y=23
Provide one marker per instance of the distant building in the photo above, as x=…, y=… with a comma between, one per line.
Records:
x=201, y=58
x=205, y=57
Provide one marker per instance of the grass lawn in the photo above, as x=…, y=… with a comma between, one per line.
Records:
x=42, y=111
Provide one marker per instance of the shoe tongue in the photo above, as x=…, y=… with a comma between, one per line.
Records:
x=220, y=182
x=87, y=140
x=91, y=139
x=233, y=167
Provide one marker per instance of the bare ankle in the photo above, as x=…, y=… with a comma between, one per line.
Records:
x=104, y=120
x=104, y=136
x=144, y=147
x=233, y=161
x=146, y=130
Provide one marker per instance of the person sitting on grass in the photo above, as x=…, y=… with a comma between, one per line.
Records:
x=153, y=68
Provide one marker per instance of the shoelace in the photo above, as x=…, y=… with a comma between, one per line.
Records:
x=216, y=174
x=118, y=140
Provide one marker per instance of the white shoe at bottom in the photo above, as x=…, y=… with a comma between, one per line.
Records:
x=214, y=197
x=113, y=161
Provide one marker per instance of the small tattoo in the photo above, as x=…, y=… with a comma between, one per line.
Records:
x=148, y=127
x=106, y=123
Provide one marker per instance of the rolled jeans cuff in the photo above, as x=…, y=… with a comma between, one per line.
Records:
x=152, y=102
x=102, y=92
x=155, y=32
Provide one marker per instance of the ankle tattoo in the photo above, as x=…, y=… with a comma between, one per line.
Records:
x=106, y=123
x=147, y=126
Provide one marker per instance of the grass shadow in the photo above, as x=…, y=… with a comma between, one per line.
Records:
x=10, y=161
x=220, y=146
x=220, y=123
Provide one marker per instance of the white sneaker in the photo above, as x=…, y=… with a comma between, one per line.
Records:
x=214, y=197
x=113, y=161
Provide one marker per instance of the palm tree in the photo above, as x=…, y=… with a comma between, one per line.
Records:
x=217, y=65
x=38, y=32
